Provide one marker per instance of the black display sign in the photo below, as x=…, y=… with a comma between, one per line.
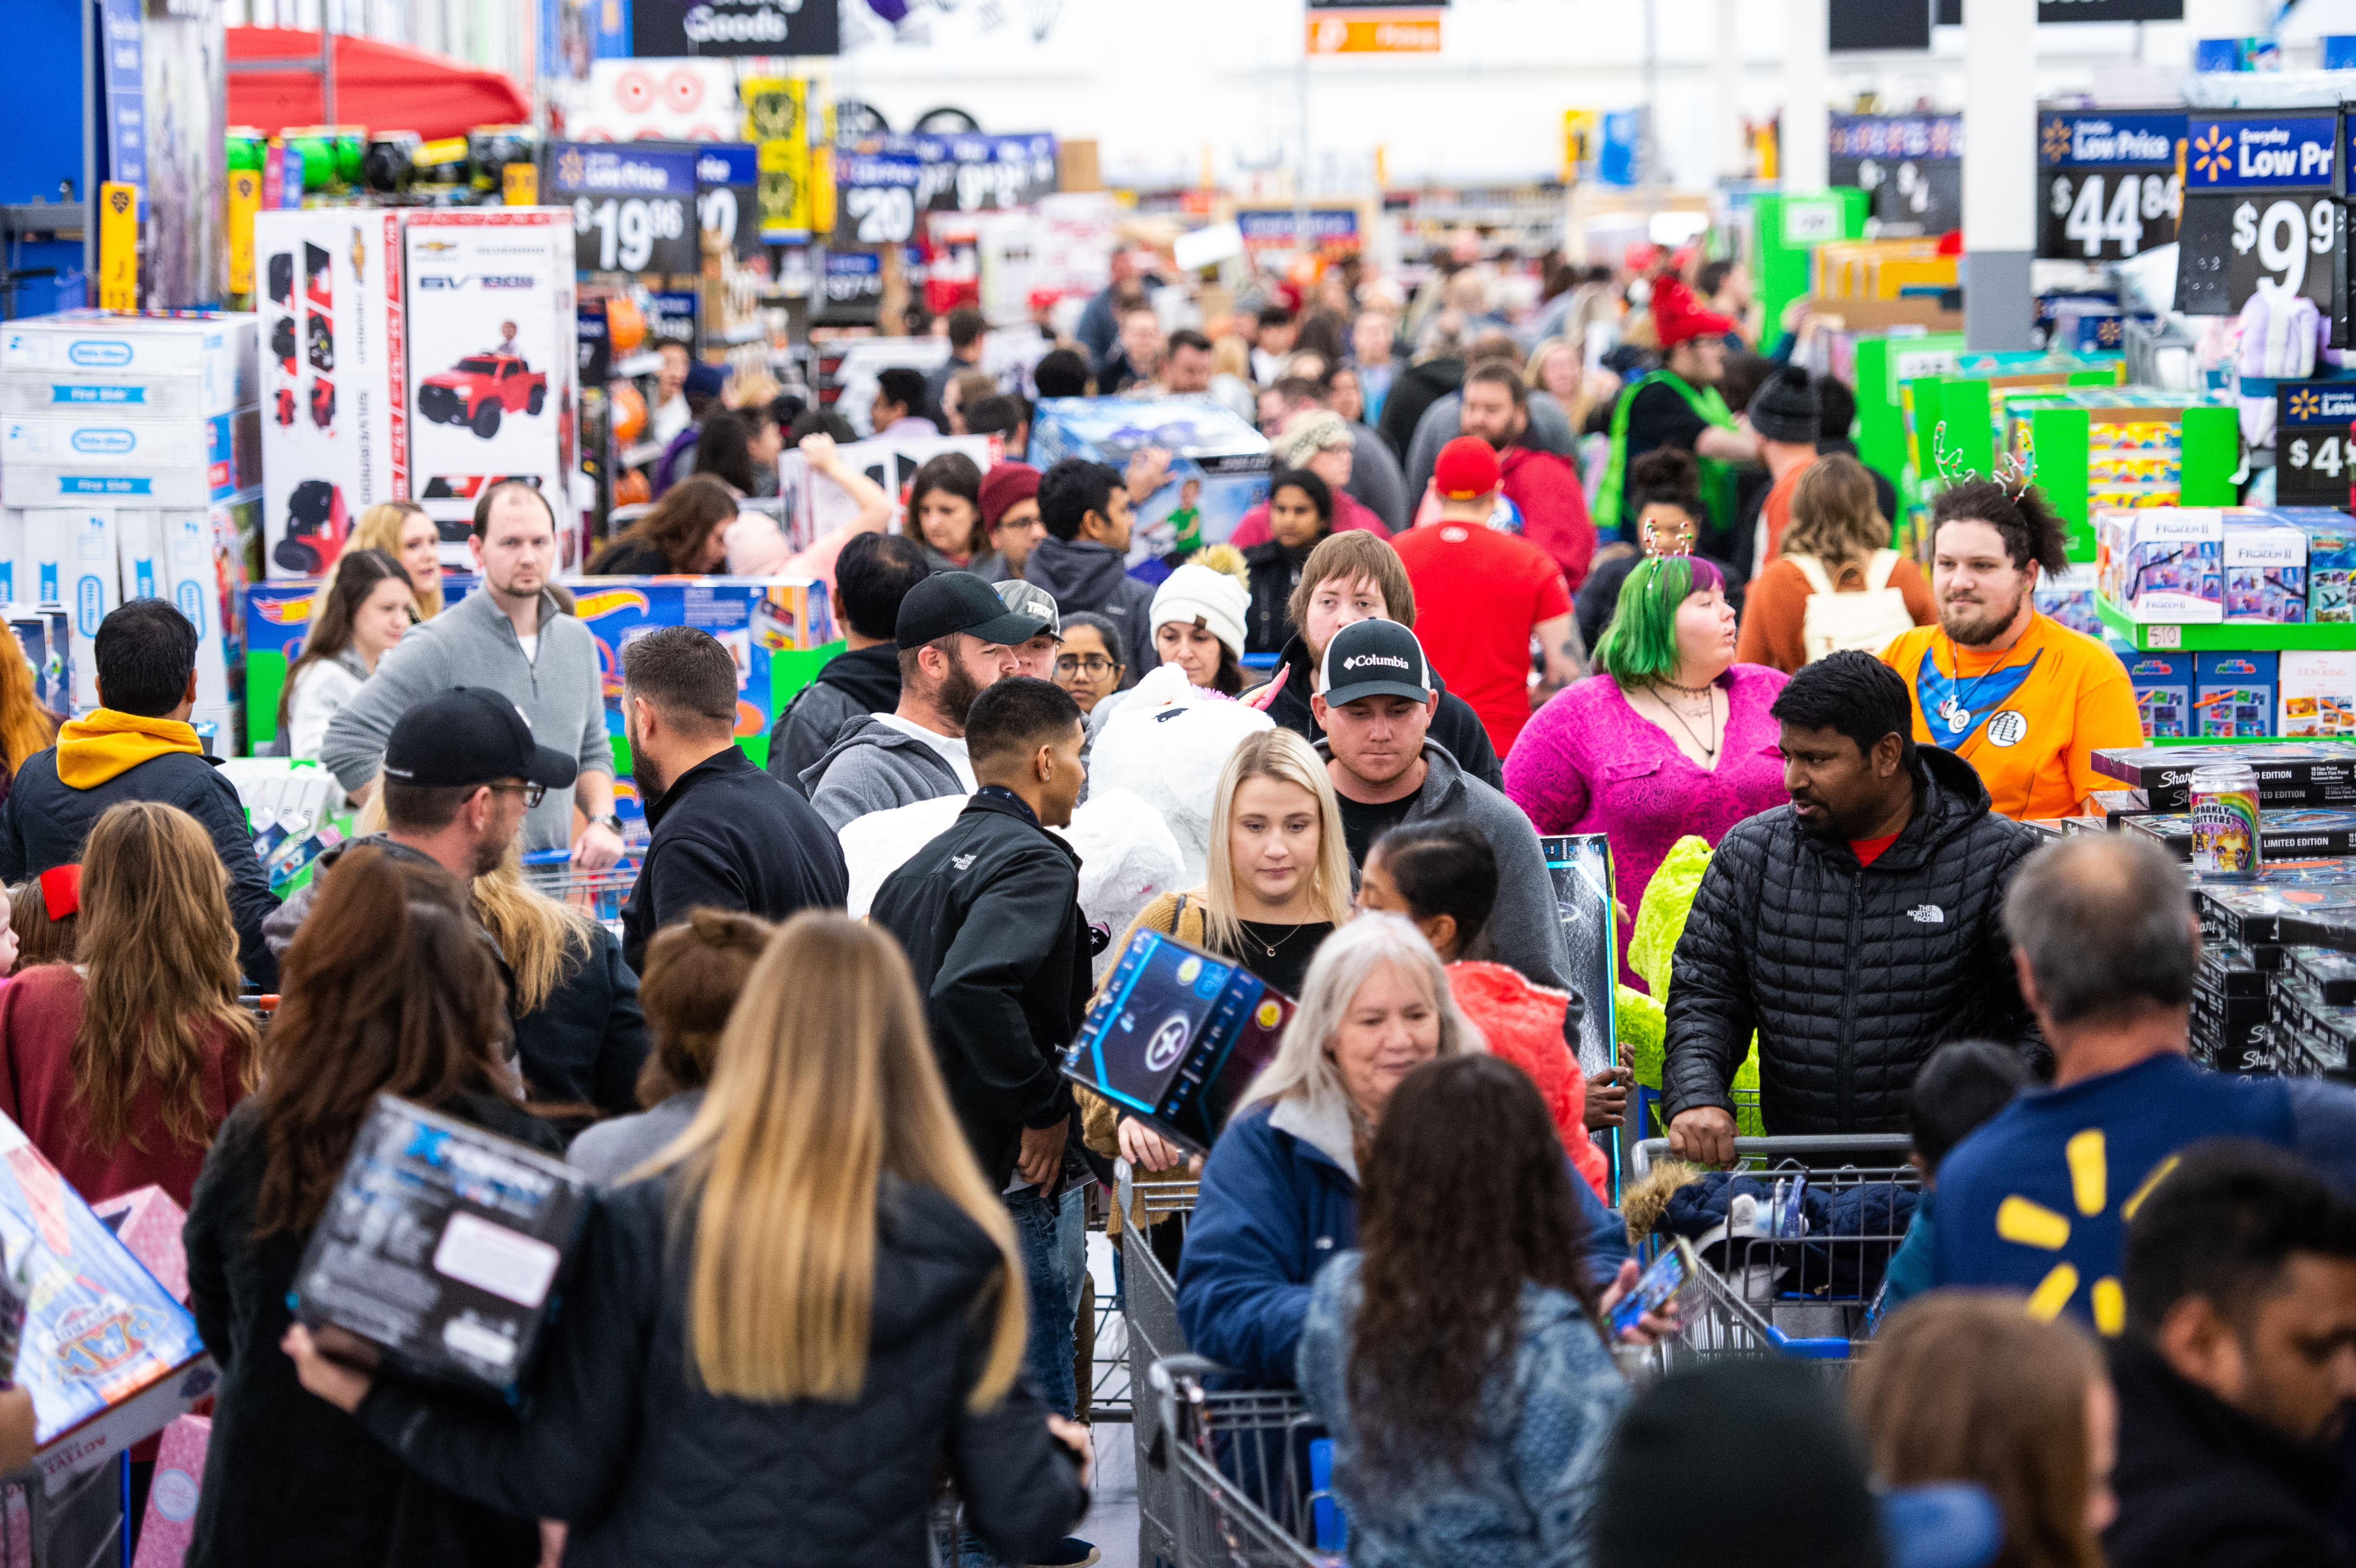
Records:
x=2315, y=456
x=2258, y=210
x=667, y=29
x=1951, y=12
x=2108, y=186
x=1878, y=25
x=633, y=206
x=1910, y=166
x=727, y=195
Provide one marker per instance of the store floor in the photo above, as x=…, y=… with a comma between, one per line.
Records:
x=1111, y=1521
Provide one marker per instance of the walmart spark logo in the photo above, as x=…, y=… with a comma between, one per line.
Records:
x=2212, y=152
x=2057, y=140
x=570, y=166
x=2305, y=405
x=2031, y=1224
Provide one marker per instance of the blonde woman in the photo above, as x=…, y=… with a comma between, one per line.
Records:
x=1278, y=883
x=1279, y=1193
x=1837, y=584
x=796, y=1315
x=404, y=531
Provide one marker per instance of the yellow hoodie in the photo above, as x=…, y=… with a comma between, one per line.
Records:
x=104, y=744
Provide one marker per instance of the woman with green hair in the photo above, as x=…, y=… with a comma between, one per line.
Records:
x=1670, y=737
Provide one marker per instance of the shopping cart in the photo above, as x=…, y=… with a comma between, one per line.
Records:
x=1150, y=1310
x=1237, y=1464
x=1778, y=1286
x=598, y=894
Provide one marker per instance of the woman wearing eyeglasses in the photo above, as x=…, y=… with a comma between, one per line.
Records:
x=1088, y=665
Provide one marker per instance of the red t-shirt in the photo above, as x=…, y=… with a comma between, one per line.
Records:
x=1868, y=850
x=41, y=1010
x=1478, y=594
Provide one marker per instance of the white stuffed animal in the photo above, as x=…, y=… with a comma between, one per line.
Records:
x=1166, y=744
x=879, y=843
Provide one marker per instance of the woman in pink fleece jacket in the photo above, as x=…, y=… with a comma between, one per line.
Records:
x=1671, y=737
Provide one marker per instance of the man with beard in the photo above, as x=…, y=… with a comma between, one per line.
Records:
x=1856, y=930
x=1544, y=488
x=725, y=835
x=954, y=638
x=2023, y=699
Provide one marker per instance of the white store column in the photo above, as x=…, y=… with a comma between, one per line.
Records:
x=1807, y=150
x=1999, y=172
x=1733, y=157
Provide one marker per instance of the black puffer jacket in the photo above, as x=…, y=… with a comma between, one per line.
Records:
x=621, y=1440
x=1850, y=975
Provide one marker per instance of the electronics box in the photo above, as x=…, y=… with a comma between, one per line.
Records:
x=492, y=358
x=442, y=1244
x=2233, y=695
x=335, y=378
x=1219, y=465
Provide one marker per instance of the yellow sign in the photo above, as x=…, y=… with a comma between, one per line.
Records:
x=520, y=185
x=118, y=247
x=1380, y=33
x=1583, y=131
x=777, y=120
x=244, y=201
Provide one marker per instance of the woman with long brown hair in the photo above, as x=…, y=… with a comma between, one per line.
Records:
x=362, y=615
x=120, y=1069
x=807, y=1307
x=1966, y=1386
x=389, y=988
x=681, y=534
x=1837, y=584
x=1459, y=1358
x=26, y=726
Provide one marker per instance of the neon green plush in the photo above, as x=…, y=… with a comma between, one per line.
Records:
x=1642, y=1020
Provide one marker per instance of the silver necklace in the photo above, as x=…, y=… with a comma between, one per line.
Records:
x=1264, y=946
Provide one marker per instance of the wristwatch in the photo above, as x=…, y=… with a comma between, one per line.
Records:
x=610, y=822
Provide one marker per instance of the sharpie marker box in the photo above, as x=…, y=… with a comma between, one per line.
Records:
x=2289, y=833
x=2290, y=772
x=1175, y=1037
x=2233, y=695
x=444, y=1244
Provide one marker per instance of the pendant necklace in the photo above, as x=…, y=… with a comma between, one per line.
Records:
x=1708, y=694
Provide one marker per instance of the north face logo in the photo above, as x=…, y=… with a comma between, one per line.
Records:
x=962, y=861
x=1927, y=914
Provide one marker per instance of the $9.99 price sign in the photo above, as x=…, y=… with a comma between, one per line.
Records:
x=2108, y=184
x=634, y=209
x=2259, y=214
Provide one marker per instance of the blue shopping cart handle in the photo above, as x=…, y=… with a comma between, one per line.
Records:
x=1831, y=1350
x=547, y=857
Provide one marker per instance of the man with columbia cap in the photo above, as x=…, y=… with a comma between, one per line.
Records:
x=1376, y=701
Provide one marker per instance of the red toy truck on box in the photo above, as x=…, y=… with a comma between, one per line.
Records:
x=479, y=389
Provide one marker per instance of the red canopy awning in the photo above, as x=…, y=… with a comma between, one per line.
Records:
x=384, y=87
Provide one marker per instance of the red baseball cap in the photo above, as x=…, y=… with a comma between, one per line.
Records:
x=1678, y=319
x=1467, y=470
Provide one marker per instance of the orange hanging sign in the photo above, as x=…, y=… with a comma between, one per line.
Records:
x=1374, y=33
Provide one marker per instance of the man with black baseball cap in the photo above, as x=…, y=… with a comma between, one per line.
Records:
x=1375, y=699
x=461, y=770
x=955, y=636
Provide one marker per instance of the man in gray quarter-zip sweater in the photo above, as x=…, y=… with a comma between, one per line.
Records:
x=509, y=637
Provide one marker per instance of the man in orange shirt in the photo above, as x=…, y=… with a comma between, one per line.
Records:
x=1787, y=416
x=2023, y=699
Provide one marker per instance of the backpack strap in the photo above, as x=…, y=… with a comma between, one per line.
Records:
x=1878, y=573
x=1813, y=570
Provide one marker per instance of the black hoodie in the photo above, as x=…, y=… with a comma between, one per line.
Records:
x=1454, y=726
x=865, y=680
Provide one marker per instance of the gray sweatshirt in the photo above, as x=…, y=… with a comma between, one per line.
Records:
x=873, y=767
x=474, y=644
x=1524, y=925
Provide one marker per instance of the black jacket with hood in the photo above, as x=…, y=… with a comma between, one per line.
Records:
x=1413, y=391
x=1850, y=974
x=1454, y=726
x=2201, y=1485
x=865, y=680
x=622, y=1441
x=990, y=914
x=59, y=795
x=1085, y=575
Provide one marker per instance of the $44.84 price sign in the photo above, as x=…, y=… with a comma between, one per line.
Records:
x=634, y=209
x=2109, y=183
x=2315, y=462
x=2259, y=213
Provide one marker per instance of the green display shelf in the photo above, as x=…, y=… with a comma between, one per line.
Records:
x=2234, y=637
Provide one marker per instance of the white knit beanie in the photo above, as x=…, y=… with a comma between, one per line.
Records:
x=1196, y=593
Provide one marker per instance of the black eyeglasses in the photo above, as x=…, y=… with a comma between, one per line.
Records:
x=532, y=794
x=1091, y=665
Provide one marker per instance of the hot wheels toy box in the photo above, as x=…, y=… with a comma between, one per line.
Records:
x=1219, y=464
x=442, y=1244
x=491, y=360
x=277, y=616
x=109, y=1356
x=771, y=625
x=335, y=378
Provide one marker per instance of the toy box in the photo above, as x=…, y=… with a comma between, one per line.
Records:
x=52, y=684
x=2289, y=773
x=1219, y=464
x=764, y=622
x=276, y=614
x=69, y=558
x=2163, y=689
x=2265, y=569
x=2317, y=694
x=2163, y=563
x=2068, y=596
x=170, y=555
x=109, y=1356
x=813, y=507
x=2233, y=695
x=77, y=459
x=491, y=361
x=335, y=380
x=443, y=1244
x=2287, y=833
x=2330, y=561
x=146, y=1220
x=160, y=364
x=170, y=1526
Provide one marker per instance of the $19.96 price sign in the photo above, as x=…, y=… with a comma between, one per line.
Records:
x=634, y=209
x=2259, y=213
x=2108, y=184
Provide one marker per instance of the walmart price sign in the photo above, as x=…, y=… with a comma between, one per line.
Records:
x=2259, y=215
x=633, y=207
x=2108, y=184
x=2314, y=462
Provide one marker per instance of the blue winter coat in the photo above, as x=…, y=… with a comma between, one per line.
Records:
x=1273, y=1210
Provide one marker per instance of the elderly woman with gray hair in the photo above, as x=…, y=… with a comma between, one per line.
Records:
x=1279, y=1193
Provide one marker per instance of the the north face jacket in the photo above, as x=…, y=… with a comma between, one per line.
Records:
x=1851, y=975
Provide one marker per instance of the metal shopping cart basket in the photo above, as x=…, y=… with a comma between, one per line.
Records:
x=1795, y=1273
x=1238, y=1462
x=1150, y=1314
x=598, y=894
